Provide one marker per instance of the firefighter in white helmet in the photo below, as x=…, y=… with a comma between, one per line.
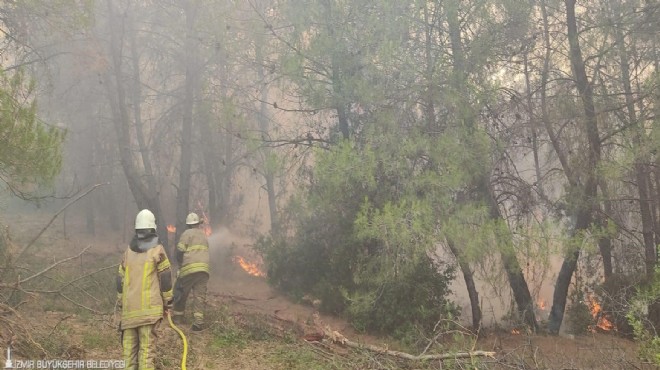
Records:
x=192, y=255
x=144, y=286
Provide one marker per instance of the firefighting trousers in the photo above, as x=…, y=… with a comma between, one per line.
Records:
x=197, y=284
x=139, y=347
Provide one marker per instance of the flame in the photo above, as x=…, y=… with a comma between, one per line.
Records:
x=541, y=304
x=597, y=313
x=515, y=332
x=251, y=268
x=171, y=228
x=206, y=222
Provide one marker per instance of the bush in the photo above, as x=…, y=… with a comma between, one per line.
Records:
x=579, y=316
x=618, y=292
x=363, y=235
x=403, y=304
x=643, y=315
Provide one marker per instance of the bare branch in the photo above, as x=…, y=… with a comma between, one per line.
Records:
x=28, y=245
x=336, y=337
x=53, y=266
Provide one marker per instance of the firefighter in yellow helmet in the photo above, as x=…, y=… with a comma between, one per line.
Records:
x=144, y=286
x=192, y=254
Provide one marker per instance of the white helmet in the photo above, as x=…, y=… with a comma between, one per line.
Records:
x=192, y=219
x=145, y=220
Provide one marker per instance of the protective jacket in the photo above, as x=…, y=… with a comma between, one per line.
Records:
x=144, y=282
x=193, y=252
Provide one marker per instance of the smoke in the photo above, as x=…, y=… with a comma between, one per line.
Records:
x=224, y=246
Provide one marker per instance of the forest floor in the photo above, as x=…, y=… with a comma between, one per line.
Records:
x=251, y=326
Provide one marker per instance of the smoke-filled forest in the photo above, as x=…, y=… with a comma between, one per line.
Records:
x=464, y=184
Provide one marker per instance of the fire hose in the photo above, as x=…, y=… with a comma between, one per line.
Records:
x=183, y=338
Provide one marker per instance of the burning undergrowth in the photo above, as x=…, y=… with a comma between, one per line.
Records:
x=234, y=253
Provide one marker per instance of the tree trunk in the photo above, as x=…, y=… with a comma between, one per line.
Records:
x=514, y=273
x=533, y=126
x=470, y=285
x=144, y=196
x=91, y=203
x=586, y=193
x=336, y=80
x=216, y=168
x=183, y=191
x=656, y=172
x=605, y=242
x=218, y=153
x=268, y=172
x=641, y=175
x=429, y=108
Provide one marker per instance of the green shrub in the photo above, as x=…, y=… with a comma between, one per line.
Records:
x=363, y=235
x=404, y=304
x=579, y=317
x=642, y=316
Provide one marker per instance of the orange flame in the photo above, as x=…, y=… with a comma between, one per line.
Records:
x=251, y=268
x=515, y=332
x=597, y=313
x=206, y=223
x=541, y=303
x=171, y=229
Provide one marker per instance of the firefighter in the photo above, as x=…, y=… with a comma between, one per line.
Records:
x=192, y=255
x=144, y=288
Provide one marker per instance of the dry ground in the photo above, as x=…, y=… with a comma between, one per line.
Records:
x=251, y=325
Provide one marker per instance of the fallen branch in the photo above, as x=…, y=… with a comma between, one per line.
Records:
x=61, y=288
x=53, y=266
x=28, y=245
x=337, y=337
x=19, y=333
x=82, y=305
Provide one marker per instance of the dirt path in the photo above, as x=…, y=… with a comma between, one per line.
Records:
x=233, y=284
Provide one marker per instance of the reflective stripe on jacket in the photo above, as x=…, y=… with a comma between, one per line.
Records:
x=195, y=249
x=141, y=295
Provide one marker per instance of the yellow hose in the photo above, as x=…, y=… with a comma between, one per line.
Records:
x=183, y=338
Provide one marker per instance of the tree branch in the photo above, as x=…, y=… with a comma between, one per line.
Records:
x=53, y=266
x=18, y=256
x=336, y=337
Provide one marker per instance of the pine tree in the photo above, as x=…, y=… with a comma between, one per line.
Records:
x=30, y=154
